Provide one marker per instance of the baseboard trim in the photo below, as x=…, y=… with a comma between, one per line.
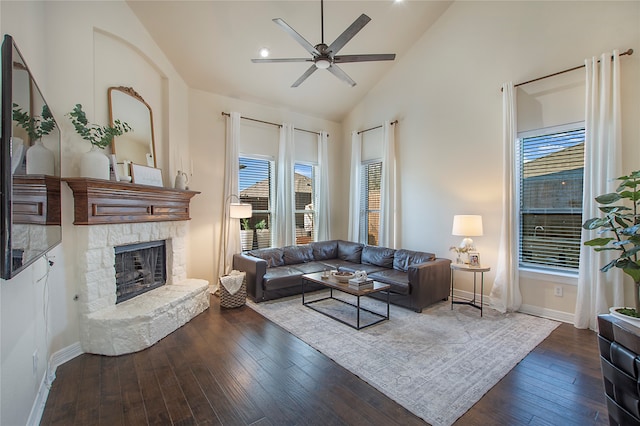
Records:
x=525, y=309
x=56, y=360
x=547, y=313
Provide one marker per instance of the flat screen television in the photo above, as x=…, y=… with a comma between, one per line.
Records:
x=30, y=206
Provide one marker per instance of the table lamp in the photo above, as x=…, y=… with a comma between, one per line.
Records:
x=466, y=225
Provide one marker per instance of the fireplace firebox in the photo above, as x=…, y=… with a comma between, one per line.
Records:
x=139, y=268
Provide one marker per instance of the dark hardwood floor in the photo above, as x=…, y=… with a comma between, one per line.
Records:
x=234, y=367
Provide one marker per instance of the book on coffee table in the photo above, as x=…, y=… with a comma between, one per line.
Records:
x=360, y=284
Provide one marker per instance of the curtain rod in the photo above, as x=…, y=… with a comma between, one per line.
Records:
x=377, y=127
x=628, y=52
x=273, y=124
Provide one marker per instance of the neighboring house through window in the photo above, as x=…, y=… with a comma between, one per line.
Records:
x=551, y=164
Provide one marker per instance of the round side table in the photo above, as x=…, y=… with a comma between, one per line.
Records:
x=475, y=269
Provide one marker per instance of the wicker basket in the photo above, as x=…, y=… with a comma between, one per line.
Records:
x=228, y=300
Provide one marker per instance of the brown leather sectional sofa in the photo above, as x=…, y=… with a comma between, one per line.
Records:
x=417, y=279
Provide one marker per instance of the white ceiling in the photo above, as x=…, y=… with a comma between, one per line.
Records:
x=211, y=44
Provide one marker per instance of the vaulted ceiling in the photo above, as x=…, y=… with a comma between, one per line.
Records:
x=211, y=44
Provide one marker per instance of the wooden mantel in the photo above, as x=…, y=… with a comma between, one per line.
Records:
x=100, y=201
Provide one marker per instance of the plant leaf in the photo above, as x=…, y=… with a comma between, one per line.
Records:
x=598, y=242
x=608, y=198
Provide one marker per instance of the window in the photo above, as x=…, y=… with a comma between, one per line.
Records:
x=370, y=202
x=305, y=212
x=551, y=163
x=256, y=188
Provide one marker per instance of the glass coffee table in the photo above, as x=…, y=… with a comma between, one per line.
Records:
x=333, y=284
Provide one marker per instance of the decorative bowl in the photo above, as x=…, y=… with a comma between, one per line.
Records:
x=343, y=277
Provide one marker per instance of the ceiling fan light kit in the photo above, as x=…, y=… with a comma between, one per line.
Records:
x=323, y=56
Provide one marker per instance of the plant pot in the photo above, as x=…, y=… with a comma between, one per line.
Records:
x=264, y=238
x=246, y=239
x=631, y=320
x=94, y=164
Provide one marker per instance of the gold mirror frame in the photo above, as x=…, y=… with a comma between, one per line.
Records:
x=138, y=145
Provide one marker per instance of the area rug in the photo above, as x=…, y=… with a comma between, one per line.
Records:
x=437, y=364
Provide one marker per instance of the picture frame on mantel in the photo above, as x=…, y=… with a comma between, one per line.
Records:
x=145, y=175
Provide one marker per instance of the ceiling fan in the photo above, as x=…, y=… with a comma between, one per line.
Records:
x=325, y=57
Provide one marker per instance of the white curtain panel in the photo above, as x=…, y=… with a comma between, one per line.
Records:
x=602, y=165
x=323, y=208
x=505, y=294
x=354, y=194
x=230, y=228
x=388, y=188
x=284, y=224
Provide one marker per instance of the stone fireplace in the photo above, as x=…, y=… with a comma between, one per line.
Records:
x=108, y=328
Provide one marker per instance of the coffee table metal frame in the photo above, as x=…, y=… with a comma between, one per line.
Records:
x=333, y=284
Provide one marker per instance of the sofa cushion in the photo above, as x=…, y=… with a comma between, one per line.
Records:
x=405, y=258
x=281, y=277
x=273, y=256
x=398, y=280
x=349, y=251
x=379, y=256
x=323, y=250
x=297, y=254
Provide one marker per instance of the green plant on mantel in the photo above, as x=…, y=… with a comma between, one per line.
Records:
x=262, y=224
x=36, y=126
x=244, y=223
x=99, y=136
x=624, y=223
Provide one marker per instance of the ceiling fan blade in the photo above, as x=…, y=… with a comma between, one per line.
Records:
x=364, y=58
x=263, y=60
x=293, y=33
x=335, y=70
x=304, y=76
x=348, y=34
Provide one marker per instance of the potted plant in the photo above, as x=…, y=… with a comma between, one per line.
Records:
x=622, y=224
x=40, y=159
x=263, y=234
x=94, y=163
x=246, y=235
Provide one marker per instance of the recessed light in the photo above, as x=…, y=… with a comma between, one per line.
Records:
x=264, y=52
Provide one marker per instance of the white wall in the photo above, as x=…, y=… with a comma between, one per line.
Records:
x=445, y=92
x=75, y=51
x=207, y=143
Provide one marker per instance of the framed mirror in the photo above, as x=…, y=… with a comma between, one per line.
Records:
x=138, y=145
x=30, y=208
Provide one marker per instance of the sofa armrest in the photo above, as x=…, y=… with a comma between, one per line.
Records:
x=430, y=282
x=255, y=269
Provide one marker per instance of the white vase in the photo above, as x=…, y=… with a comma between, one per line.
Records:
x=40, y=160
x=94, y=164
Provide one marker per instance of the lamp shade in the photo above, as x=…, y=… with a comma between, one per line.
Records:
x=240, y=210
x=467, y=225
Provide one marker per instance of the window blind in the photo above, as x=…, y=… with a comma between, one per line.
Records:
x=255, y=185
x=305, y=211
x=551, y=175
x=370, y=202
